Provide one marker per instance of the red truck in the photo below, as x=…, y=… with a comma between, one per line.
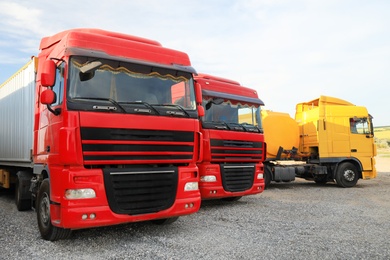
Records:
x=91, y=135
x=233, y=140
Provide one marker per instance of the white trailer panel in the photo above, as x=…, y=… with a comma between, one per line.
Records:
x=17, y=116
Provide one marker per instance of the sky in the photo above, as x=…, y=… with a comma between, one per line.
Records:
x=289, y=51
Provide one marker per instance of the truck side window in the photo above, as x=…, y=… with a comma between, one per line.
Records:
x=58, y=87
x=359, y=125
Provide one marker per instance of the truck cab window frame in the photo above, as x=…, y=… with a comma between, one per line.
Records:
x=58, y=86
x=359, y=125
x=127, y=83
x=231, y=112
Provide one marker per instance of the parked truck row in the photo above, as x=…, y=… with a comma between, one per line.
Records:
x=82, y=141
x=103, y=128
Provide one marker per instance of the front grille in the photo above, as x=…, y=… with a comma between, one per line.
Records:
x=236, y=151
x=110, y=146
x=140, y=191
x=237, y=177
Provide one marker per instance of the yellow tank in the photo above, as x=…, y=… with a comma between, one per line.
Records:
x=279, y=130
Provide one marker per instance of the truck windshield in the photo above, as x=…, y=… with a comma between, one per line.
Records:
x=232, y=115
x=119, y=85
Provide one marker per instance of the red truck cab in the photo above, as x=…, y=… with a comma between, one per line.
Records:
x=233, y=141
x=110, y=144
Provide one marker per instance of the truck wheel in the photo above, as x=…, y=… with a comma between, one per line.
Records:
x=165, y=221
x=47, y=230
x=267, y=177
x=347, y=175
x=22, y=203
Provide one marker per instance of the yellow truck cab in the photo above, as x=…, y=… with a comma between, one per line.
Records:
x=335, y=142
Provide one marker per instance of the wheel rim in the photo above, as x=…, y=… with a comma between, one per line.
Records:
x=349, y=175
x=45, y=209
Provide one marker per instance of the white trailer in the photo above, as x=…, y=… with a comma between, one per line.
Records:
x=17, y=114
x=16, y=132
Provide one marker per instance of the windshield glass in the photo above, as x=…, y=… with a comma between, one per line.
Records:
x=125, y=84
x=232, y=113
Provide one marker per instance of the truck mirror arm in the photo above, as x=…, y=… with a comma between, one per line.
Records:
x=56, y=111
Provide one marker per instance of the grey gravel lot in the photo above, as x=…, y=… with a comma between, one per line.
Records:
x=298, y=220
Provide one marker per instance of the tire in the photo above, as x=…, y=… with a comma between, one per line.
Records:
x=267, y=177
x=22, y=197
x=165, y=221
x=347, y=175
x=46, y=228
x=232, y=198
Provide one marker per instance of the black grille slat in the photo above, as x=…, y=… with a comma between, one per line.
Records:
x=89, y=133
x=139, y=199
x=137, y=184
x=131, y=192
x=235, y=143
x=237, y=177
x=134, y=146
x=140, y=191
x=135, y=157
x=239, y=152
x=236, y=150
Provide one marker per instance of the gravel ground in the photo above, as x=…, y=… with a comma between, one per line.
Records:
x=298, y=220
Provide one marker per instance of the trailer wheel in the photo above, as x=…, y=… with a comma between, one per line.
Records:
x=165, y=221
x=46, y=228
x=22, y=193
x=267, y=177
x=347, y=175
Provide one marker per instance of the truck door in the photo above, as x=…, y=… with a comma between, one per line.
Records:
x=362, y=140
x=309, y=137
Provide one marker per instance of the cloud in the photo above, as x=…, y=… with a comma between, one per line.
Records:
x=288, y=51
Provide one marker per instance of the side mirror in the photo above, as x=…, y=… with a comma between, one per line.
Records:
x=48, y=73
x=198, y=93
x=200, y=110
x=48, y=97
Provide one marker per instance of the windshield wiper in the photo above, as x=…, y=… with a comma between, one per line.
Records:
x=143, y=103
x=221, y=122
x=175, y=106
x=237, y=126
x=112, y=101
x=251, y=128
x=244, y=127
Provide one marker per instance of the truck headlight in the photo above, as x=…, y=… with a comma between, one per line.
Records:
x=191, y=186
x=80, y=194
x=208, y=178
x=260, y=176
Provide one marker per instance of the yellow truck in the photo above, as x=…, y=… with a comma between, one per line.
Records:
x=330, y=140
